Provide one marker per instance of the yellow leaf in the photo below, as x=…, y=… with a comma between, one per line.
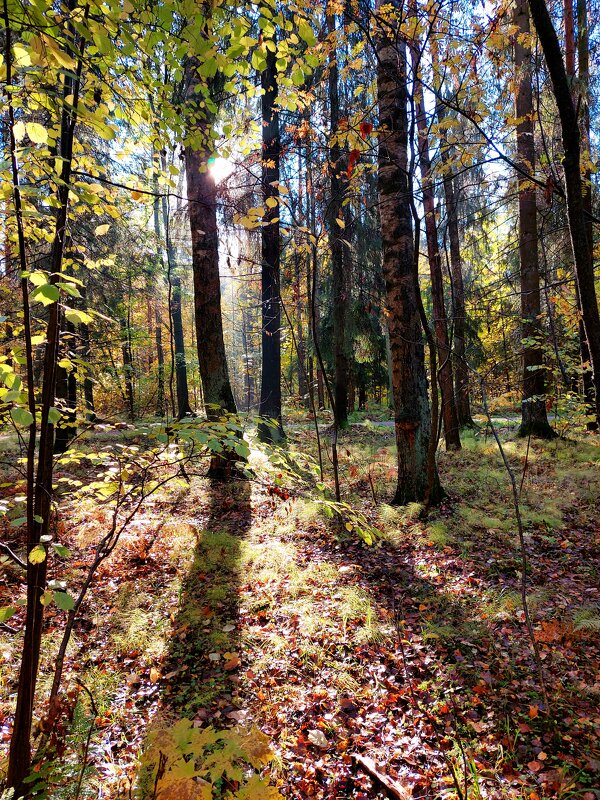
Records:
x=340, y=223
x=102, y=229
x=349, y=526
x=19, y=131
x=154, y=675
x=37, y=133
x=136, y=195
x=271, y=202
x=22, y=57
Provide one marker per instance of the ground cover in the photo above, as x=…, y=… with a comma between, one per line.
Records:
x=290, y=646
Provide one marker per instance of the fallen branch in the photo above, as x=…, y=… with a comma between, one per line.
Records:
x=12, y=555
x=389, y=786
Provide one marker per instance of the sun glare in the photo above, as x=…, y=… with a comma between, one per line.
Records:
x=220, y=168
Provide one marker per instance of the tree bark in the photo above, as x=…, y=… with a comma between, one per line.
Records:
x=578, y=226
x=202, y=210
x=339, y=267
x=534, y=420
x=271, y=429
x=461, y=368
x=160, y=357
x=583, y=54
x=127, y=367
x=411, y=403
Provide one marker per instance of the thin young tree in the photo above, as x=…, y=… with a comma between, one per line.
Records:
x=440, y=323
x=271, y=426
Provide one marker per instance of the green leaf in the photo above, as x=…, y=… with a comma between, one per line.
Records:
x=47, y=597
x=64, y=601
x=38, y=554
x=21, y=416
x=37, y=133
x=78, y=317
x=61, y=550
x=306, y=32
x=46, y=294
x=54, y=415
x=6, y=613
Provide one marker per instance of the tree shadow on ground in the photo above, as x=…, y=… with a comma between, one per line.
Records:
x=200, y=684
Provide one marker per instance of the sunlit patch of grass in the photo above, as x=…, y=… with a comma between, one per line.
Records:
x=266, y=562
x=136, y=629
x=476, y=518
x=359, y=618
x=438, y=533
x=103, y=684
x=392, y=518
x=503, y=605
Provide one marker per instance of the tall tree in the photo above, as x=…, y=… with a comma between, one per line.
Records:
x=271, y=429
x=339, y=256
x=578, y=227
x=534, y=420
x=411, y=402
x=440, y=323
x=583, y=58
x=202, y=210
x=175, y=310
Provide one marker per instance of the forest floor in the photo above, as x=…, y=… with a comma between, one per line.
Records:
x=248, y=611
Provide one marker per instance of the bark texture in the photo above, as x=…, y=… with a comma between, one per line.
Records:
x=578, y=227
x=339, y=254
x=202, y=210
x=270, y=388
x=411, y=403
x=534, y=420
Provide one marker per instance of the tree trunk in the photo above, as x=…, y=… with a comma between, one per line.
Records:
x=440, y=323
x=339, y=267
x=127, y=368
x=461, y=368
x=578, y=227
x=88, y=384
x=181, y=382
x=411, y=403
x=160, y=357
x=534, y=420
x=584, y=81
x=271, y=429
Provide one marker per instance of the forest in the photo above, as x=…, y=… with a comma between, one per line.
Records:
x=299, y=400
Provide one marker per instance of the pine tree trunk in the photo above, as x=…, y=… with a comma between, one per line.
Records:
x=270, y=389
x=578, y=227
x=534, y=420
x=411, y=414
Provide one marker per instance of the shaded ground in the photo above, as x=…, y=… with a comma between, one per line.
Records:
x=243, y=608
